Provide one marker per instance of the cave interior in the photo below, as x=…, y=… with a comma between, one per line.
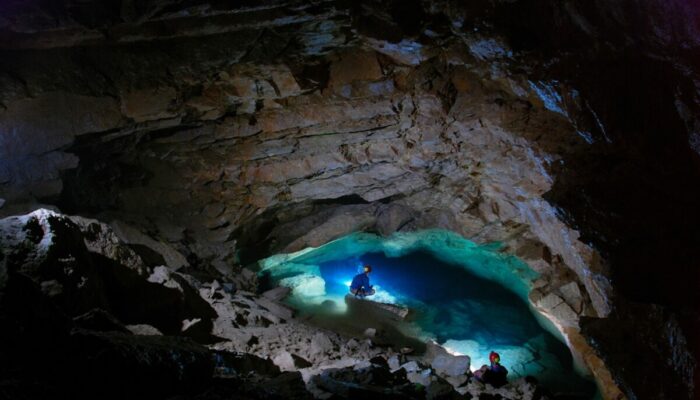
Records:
x=187, y=187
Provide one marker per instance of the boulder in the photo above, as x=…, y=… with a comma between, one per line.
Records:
x=451, y=366
x=572, y=295
x=152, y=251
x=432, y=350
x=82, y=265
x=285, y=361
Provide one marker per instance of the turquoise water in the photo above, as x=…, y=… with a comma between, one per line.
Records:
x=469, y=298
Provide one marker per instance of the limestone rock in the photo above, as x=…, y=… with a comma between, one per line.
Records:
x=285, y=361
x=451, y=366
x=572, y=295
x=139, y=242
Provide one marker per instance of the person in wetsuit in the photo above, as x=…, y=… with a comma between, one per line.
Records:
x=360, y=286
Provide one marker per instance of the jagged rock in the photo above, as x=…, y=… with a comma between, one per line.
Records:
x=95, y=270
x=157, y=252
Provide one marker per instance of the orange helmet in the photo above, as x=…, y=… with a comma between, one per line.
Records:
x=494, y=357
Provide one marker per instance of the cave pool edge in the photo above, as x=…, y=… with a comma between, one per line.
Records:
x=306, y=273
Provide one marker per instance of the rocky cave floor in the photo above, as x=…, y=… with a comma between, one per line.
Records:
x=84, y=315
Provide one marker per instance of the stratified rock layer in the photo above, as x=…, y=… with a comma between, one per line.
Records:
x=567, y=131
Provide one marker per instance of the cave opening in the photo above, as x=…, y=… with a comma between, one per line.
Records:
x=469, y=298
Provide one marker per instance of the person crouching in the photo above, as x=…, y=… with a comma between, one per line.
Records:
x=360, y=286
x=495, y=375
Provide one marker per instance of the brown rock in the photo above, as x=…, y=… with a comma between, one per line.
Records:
x=355, y=65
x=149, y=104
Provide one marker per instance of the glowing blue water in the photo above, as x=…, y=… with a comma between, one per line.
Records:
x=470, y=298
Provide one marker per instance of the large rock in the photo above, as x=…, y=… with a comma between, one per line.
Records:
x=451, y=366
x=81, y=265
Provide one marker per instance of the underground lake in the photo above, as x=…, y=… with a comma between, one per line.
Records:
x=471, y=299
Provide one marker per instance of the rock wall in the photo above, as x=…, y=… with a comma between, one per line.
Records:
x=231, y=133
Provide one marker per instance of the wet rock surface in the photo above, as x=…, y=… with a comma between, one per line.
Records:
x=210, y=136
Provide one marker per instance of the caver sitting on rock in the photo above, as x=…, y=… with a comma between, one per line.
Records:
x=495, y=374
x=360, y=283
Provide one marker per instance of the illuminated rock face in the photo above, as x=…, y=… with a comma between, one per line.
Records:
x=469, y=298
x=232, y=134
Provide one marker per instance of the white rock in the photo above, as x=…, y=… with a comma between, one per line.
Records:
x=284, y=360
x=394, y=363
x=144, y=329
x=450, y=365
x=421, y=377
x=411, y=366
x=188, y=323
x=162, y=276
